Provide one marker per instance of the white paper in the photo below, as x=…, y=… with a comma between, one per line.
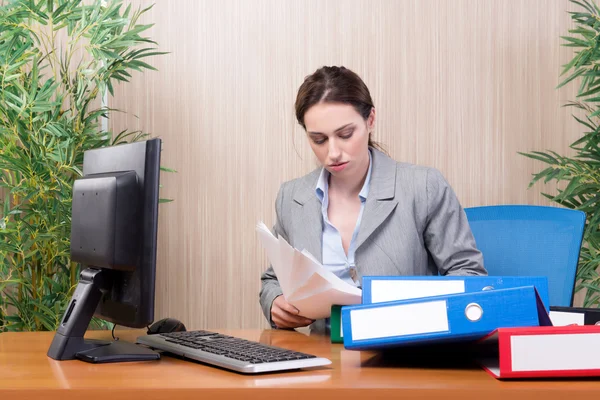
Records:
x=305, y=283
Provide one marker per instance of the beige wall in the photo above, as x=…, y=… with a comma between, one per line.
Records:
x=461, y=85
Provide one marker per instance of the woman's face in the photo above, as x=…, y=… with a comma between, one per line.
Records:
x=339, y=137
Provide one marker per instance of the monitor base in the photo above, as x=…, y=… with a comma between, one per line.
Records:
x=117, y=351
x=68, y=342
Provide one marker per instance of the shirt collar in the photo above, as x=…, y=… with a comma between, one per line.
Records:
x=323, y=183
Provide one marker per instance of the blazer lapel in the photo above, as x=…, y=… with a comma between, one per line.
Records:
x=379, y=205
x=381, y=199
x=310, y=233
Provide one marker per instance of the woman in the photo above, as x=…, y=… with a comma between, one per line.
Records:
x=363, y=213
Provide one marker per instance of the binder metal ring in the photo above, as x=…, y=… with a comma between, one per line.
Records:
x=473, y=312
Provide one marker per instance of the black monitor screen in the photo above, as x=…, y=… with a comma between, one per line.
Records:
x=130, y=299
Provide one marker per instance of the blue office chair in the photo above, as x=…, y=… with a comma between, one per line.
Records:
x=523, y=240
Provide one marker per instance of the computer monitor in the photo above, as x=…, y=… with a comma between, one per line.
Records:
x=113, y=236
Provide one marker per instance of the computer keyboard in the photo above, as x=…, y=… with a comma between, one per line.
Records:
x=230, y=352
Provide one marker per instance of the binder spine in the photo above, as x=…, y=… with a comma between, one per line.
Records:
x=440, y=318
x=378, y=289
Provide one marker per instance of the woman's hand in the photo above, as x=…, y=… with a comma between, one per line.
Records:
x=285, y=315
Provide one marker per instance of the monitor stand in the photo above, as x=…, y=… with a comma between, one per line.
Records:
x=68, y=342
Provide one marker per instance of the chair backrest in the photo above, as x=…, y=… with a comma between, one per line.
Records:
x=524, y=240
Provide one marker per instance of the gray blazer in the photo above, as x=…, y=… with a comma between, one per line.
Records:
x=412, y=224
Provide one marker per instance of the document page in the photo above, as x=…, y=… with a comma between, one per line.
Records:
x=305, y=283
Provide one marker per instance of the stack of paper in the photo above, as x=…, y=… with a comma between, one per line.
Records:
x=305, y=283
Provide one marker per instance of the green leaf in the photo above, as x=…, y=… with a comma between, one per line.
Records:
x=594, y=114
x=56, y=13
x=585, y=6
x=571, y=77
x=544, y=157
x=574, y=42
x=140, y=64
x=583, y=139
x=110, y=88
x=585, y=123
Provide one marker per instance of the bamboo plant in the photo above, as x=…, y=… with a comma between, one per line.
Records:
x=57, y=60
x=578, y=175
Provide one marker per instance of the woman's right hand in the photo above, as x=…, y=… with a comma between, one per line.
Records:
x=285, y=315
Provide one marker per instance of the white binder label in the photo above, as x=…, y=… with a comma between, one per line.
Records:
x=400, y=320
x=562, y=318
x=392, y=289
x=560, y=352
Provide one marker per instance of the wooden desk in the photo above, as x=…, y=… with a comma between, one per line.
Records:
x=26, y=372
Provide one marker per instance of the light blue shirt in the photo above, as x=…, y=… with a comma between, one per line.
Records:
x=334, y=257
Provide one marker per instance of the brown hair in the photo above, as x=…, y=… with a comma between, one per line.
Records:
x=334, y=85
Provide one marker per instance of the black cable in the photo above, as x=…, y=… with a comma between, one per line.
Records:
x=113, y=332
